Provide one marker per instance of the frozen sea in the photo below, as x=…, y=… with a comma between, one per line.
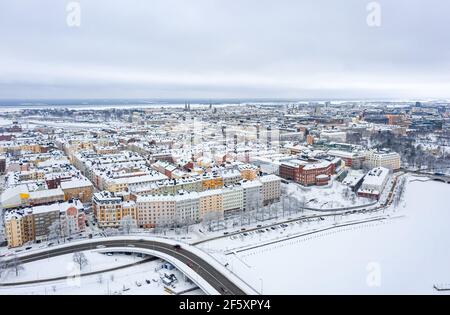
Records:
x=405, y=255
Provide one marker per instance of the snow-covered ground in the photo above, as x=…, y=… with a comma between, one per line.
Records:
x=5, y=122
x=407, y=253
x=328, y=197
x=136, y=280
x=63, y=265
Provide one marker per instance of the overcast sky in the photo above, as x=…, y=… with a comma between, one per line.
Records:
x=224, y=48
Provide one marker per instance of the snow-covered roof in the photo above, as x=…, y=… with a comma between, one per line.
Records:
x=75, y=183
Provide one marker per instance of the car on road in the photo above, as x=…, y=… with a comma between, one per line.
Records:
x=28, y=248
x=177, y=247
x=100, y=246
x=226, y=233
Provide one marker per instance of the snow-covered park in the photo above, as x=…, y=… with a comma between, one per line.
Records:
x=404, y=253
x=146, y=278
x=334, y=195
x=64, y=265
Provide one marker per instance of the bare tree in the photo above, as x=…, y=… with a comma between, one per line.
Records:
x=128, y=224
x=70, y=226
x=2, y=229
x=3, y=267
x=80, y=259
x=110, y=231
x=209, y=218
x=15, y=265
x=346, y=192
x=55, y=231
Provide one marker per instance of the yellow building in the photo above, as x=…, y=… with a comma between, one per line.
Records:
x=210, y=201
x=211, y=182
x=77, y=189
x=110, y=209
x=19, y=228
x=249, y=172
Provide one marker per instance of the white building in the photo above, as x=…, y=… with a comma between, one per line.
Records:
x=374, y=182
x=271, y=188
x=167, y=209
x=335, y=136
x=233, y=199
x=252, y=195
x=390, y=160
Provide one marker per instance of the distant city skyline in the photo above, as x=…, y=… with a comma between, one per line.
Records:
x=219, y=49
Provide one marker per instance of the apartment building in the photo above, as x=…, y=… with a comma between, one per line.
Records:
x=19, y=227
x=384, y=158
x=44, y=217
x=233, y=199
x=248, y=171
x=211, y=181
x=231, y=177
x=155, y=210
x=271, y=188
x=79, y=188
x=252, y=195
x=35, y=223
x=167, y=210
x=210, y=201
x=110, y=209
x=353, y=160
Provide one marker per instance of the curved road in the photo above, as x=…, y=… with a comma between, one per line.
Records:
x=204, y=269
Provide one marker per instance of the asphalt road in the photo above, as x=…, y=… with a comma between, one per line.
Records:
x=214, y=277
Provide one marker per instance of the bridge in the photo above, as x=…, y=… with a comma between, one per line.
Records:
x=437, y=177
x=206, y=272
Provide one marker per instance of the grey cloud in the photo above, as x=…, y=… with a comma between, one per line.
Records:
x=223, y=48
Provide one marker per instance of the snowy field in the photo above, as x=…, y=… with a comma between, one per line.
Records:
x=5, y=122
x=327, y=197
x=407, y=253
x=63, y=265
x=142, y=279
